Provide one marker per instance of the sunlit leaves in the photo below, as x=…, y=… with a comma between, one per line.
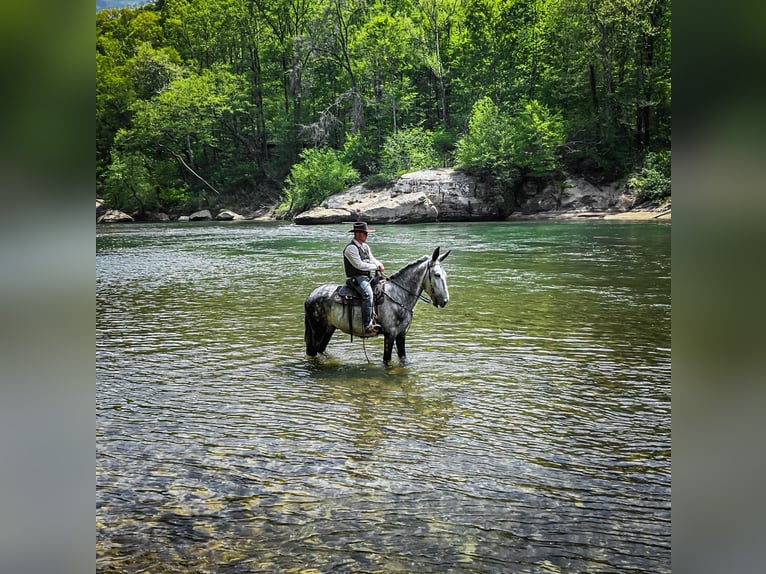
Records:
x=320, y=173
x=524, y=142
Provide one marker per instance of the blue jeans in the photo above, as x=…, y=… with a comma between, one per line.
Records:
x=365, y=289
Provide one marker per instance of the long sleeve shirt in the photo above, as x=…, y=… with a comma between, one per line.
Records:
x=352, y=254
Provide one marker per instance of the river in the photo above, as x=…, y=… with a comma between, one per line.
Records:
x=530, y=431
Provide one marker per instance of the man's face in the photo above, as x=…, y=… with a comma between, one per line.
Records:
x=361, y=236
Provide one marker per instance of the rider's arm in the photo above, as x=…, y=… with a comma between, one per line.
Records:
x=378, y=264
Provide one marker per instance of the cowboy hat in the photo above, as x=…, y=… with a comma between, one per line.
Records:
x=361, y=226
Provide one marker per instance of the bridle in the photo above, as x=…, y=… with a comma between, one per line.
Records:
x=418, y=295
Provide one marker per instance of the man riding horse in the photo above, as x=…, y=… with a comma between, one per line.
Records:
x=360, y=265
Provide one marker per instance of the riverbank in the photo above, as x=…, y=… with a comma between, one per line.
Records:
x=445, y=194
x=441, y=195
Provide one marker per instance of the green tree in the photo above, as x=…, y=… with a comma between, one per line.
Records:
x=223, y=94
x=652, y=182
x=509, y=149
x=384, y=56
x=320, y=173
x=408, y=150
x=129, y=186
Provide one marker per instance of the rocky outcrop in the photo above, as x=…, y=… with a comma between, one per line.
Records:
x=575, y=197
x=107, y=215
x=418, y=197
x=451, y=195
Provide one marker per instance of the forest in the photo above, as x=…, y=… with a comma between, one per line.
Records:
x=250, y=103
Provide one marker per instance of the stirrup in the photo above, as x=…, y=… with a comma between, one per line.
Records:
x=372, y=329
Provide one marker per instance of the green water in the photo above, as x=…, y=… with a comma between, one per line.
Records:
x=529, y=433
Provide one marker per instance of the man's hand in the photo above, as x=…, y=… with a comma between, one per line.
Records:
x=380, y=268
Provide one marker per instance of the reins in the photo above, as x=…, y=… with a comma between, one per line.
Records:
x=418, y=295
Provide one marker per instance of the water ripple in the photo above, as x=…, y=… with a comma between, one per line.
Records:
x=529, y=433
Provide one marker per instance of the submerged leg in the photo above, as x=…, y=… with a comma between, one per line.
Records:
x=325, y=339
x=400, y=349
x=388, y=347
x=308, y=337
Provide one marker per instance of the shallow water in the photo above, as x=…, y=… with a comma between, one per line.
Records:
x=529, y=433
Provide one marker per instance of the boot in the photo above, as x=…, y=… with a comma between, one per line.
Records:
x=372, y=328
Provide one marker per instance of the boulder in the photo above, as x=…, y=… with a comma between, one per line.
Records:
x=417, y=197
x=228, y=215
x=201, y=215
x=114, y=216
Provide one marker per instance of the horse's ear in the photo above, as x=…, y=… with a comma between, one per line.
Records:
x=443, y=257
x=436, y=254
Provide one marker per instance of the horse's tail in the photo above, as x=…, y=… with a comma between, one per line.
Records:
x=308, y=333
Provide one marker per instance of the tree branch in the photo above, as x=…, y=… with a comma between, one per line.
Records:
x=182, y=162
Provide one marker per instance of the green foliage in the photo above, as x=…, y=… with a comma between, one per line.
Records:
x=652, y=181
x=535, y=136
x=408, y=150
x=444, y=143
x=319, y=174
x=481, y=149
x=174, y=199
x=360, y=154
x=231, y=87
x=523, y=144
x=377, y=180
x=129, y=186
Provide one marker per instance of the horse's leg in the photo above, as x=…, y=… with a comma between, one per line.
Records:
x=325, y=339
x=308, y=337
x=400, y=350
x=388, y=347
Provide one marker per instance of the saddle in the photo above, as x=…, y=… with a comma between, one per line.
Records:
x=347, y=293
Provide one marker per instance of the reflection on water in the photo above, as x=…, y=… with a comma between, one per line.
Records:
x=530, y=433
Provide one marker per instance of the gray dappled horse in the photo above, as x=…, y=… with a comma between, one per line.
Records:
x=327, y=308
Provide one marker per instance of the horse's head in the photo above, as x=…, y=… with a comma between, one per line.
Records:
x=435, y=281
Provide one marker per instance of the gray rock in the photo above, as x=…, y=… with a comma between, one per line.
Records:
x=418, y=197
x=114, y=216
x=228, y=215
x=201, y=215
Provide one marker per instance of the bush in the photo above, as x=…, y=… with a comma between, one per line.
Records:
x=359, y=153
x=652, y=182
x=175, y=199
x=479, y=150
x=128, y=186
x=523, y=144
x=319, y=174
x=408, y=150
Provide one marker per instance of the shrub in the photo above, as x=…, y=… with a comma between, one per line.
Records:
x=408, y=150
x=359, y=153
x=319, y=174
x=127, y=183
x=522, y=144
x=652, y=182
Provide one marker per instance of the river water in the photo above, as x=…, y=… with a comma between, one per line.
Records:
x=530, y=431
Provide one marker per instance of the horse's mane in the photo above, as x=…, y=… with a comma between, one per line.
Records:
x=409, y=265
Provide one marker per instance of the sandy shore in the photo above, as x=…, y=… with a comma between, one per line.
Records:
x=632, y=215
